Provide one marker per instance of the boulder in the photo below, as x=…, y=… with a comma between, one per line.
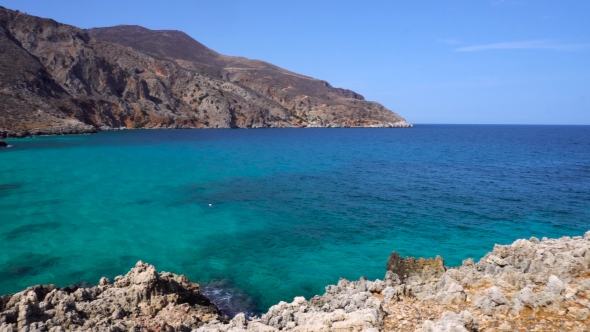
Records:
x=409, y=267
x=493, y=301
x=555, y=286
x=454, y=293
x=450, y=322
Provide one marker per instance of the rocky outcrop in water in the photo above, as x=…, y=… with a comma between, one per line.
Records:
x=56, y=78
x=530, y=285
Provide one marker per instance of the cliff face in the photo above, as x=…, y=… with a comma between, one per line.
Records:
x=57, y=78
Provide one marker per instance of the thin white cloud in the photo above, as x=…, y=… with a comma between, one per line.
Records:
x=524, y=45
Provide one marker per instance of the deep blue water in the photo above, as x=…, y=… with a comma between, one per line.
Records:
x=292, y=210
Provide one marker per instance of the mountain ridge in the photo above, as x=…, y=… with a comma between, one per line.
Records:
x=59, y=79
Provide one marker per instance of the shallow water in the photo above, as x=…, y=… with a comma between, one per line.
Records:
x=292, y=210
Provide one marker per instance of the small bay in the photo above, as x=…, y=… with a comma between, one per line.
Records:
x=260, y=216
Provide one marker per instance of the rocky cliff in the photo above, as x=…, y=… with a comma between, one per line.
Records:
x=530, y=285
x=56, y=78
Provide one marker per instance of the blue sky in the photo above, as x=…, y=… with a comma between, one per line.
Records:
x=484, y=61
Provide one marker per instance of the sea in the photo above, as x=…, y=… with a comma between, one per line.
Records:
x=263, y=215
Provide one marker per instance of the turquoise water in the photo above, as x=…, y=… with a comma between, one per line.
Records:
x=292, y=210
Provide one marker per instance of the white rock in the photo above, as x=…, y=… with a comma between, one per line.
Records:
x=450, y=322
x=555, y=286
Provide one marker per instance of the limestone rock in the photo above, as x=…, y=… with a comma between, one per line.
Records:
x=508, y=289
x=555, y=286
x=493, y=301
x=410, y=267
x=450, y=322
x=454, y=293
x=143, y=297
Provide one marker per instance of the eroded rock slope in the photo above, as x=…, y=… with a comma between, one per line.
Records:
x=56, y=78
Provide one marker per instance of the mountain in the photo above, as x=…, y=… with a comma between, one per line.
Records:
x=58, y=79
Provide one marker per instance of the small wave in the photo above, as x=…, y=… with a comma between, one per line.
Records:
x=230, y=299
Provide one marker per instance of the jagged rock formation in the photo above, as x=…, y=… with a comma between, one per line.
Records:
x=56, y=78
x=142, y=299
x=408, y=267
x=348, y=306
x=531, y=285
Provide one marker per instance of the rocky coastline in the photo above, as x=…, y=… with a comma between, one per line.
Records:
x=530, y=285
x=72, y=128
x=76, y=128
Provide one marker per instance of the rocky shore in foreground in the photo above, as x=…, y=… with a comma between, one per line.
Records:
x=530, y=285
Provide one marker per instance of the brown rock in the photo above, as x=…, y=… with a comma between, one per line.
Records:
x=425, y=268
x=142, y=298
x=58, y=79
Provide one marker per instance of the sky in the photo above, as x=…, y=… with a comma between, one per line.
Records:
x=453, y=61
